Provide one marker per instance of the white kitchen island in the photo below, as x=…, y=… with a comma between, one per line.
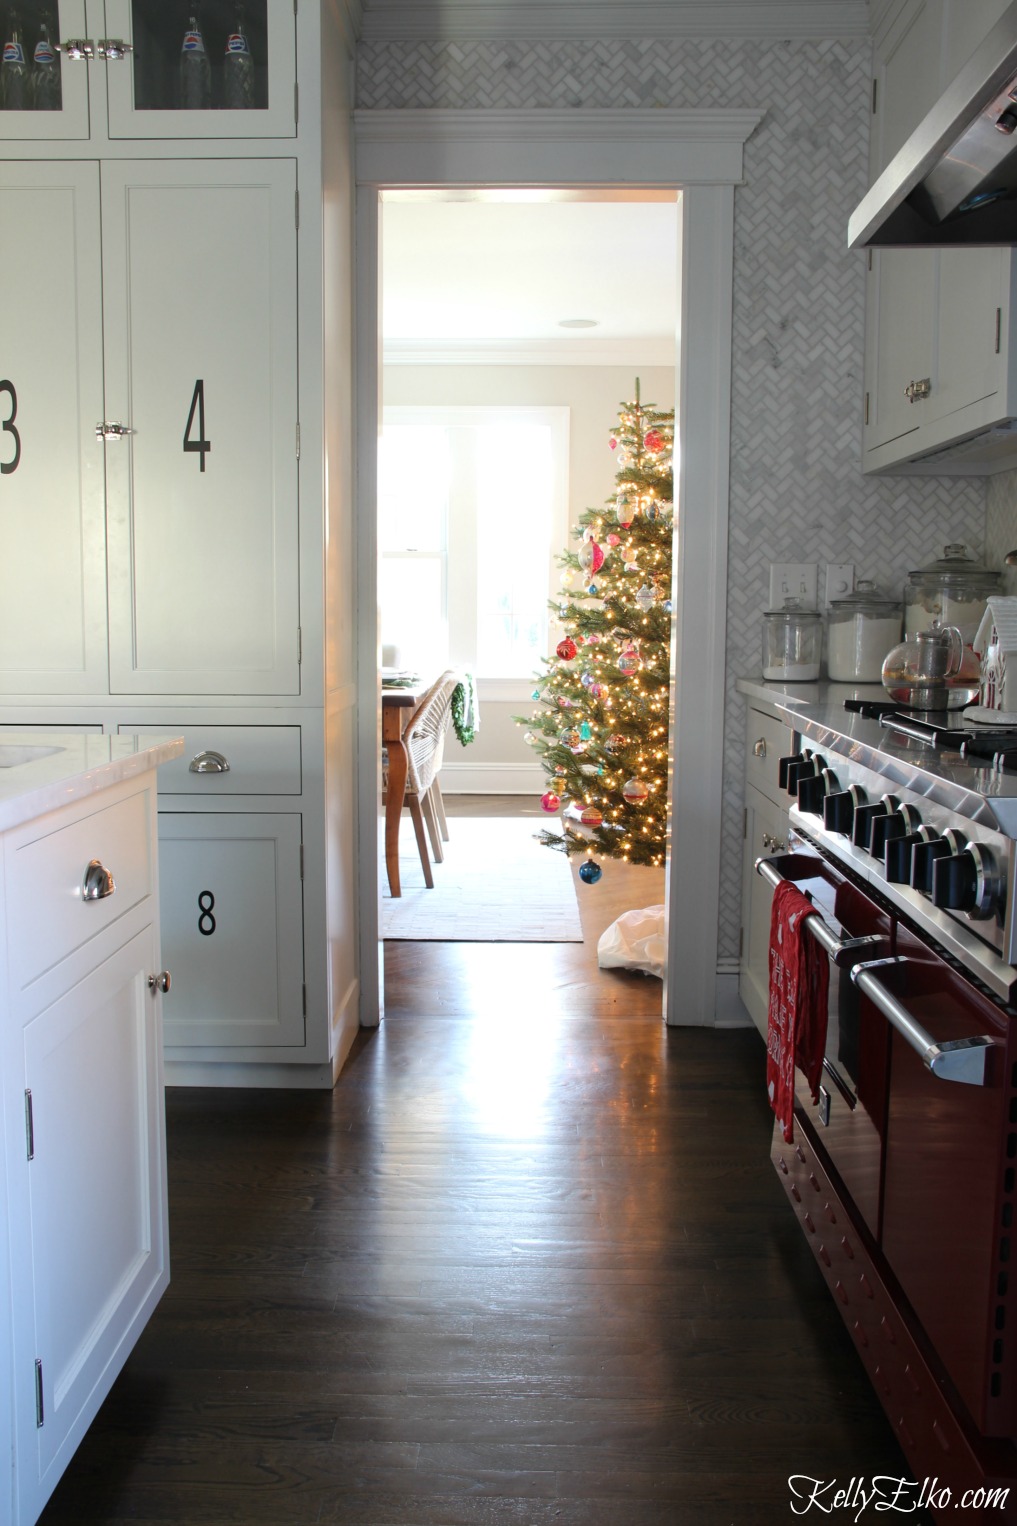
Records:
x=84, y=1251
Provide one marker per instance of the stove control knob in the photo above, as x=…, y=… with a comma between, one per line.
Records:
x=784, y=764
x=891, y=827
x=969, y=881
x=925, y=854
x=839, y=809
x=813, y=790
x=805, y=769
x=897, y=854
x=865, y=815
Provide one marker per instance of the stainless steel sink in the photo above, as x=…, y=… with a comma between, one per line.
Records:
x=13, y=753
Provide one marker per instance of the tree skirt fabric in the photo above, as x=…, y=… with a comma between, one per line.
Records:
x=497, y=884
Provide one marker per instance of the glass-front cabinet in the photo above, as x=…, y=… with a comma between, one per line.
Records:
x=169, y=69
x=43, y=93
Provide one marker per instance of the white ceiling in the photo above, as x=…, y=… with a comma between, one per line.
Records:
x=494, y=278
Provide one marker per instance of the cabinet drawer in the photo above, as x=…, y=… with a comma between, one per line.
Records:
x=261, y=760
x=48, y=914
x=766, y=740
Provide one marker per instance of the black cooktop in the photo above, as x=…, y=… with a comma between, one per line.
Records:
x=996, y=745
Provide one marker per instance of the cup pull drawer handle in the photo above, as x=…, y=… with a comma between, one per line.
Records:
x=952, y=1060
x=842, y=951
x=98, y=882
x=209, y=763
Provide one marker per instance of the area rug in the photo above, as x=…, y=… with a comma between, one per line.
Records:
x=498, y=884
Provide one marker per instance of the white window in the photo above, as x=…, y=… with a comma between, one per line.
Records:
x=472, y=509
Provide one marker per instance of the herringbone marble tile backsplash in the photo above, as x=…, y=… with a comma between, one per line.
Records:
x=797, y=492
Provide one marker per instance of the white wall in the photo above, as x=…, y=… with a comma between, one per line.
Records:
x=499, y=762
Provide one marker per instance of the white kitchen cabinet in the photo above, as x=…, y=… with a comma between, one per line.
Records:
x=765, y=833
x=160, y=294
x=232, y=929
x=198, y=535
x=52, y=608
x=119, y=67
x=83, y=1141
x=907, y=78
x=199, y=303
x=940, y=355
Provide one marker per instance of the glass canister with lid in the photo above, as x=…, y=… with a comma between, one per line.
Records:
x=863, y=627
x=952, y=591
x=792, y=643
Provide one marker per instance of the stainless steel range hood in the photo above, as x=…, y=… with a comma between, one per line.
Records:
x=955, y=179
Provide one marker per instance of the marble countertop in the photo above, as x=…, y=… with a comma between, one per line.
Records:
x=40, y=771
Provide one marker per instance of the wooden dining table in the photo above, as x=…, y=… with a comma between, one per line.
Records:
x=397, y=705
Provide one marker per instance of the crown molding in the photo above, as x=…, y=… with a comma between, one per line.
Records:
x=666, y=146
x=529, y=352
x=566, y=20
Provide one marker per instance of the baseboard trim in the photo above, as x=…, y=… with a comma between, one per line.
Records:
x=492, y=779
x=278, y=1076
x=345, y=1027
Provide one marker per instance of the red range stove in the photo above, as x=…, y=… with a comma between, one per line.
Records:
x=904, y=1175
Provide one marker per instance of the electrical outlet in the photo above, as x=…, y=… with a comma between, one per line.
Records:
x=840, y=580
x=794, y=580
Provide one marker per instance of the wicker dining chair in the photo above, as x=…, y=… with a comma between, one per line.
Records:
x=424, y=739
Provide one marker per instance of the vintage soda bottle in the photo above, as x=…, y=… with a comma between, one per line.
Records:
x=46, y=95
x=238, y=68
x=14, y=82
x=195, y=72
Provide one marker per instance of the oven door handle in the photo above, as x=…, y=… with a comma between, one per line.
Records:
x=964, y=1060
x=842, y=951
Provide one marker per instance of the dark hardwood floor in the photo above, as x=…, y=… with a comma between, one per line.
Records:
x=528, y=1263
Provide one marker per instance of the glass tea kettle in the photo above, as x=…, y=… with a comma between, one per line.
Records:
x=932, y=670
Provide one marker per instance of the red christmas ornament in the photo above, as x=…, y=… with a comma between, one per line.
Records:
x=566, y=649
x=550, y=802
x=613, y=443
x=653, y=440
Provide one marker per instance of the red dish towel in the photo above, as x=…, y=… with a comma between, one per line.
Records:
x=799, y=988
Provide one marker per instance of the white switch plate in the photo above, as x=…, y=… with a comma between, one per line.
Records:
x=840, y=580
x=794, y=580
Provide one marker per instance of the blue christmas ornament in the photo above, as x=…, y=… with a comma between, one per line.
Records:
x=535, y=694
x=585, y=731
x=590, y=872
x=592, y=588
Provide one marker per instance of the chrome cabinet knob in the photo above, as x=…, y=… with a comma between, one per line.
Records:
x=209, y=762
x=113, y=48
x=77, y=48
x=109, y=432
x=160, y=982
x=759, y=748
x=915, y=391
x=98, y=882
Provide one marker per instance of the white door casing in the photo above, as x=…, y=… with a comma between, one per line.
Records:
x=700, y=153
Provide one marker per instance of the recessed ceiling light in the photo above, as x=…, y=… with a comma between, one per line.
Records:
x=577, y=323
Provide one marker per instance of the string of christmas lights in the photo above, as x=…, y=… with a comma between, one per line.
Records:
x=601, y=732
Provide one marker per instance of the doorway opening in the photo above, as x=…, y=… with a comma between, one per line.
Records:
x=515, y=324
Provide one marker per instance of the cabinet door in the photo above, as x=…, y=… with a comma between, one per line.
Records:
x=247, y=78
x=909, y=62
x=765, y=834
x=52, y=533
x=48, y=96
x=200, y=309
x=899, y=341
x=88, y=1203
x=968, y=22
x=232, y=928
x=971, y=296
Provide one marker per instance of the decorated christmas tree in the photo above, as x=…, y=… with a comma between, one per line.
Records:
x=601, y=731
